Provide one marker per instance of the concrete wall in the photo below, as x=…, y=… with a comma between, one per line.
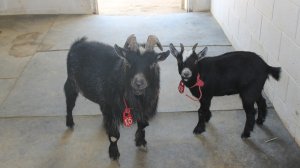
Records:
x=270, y=28
x=14, y=7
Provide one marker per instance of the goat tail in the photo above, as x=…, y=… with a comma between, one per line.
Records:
x=274, y=72
x=75, y=45
x=79, y=41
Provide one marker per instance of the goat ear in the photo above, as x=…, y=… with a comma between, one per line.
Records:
x=201, y=54
x=175, y=53
x=120, y=51
x=162, y=56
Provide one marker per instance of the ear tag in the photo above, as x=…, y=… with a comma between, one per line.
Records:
x=181, y=87
x=127, y=117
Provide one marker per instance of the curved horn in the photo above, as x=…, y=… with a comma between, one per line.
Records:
x=151, y=41
x=131, y=43
x=181, y=48
x=194, y=47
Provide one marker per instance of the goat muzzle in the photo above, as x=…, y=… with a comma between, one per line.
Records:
x=139, y=84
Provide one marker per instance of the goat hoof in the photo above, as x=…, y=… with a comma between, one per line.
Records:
x=114, y=152
x=143, y=148
x=207, y=118
x=70, y=125
x=140, y=142
x=245, y=135
x=69, y=122
x=116, y=162
x=260, y=121
x=198, y=130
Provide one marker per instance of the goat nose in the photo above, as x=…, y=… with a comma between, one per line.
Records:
x=186, y=74
x=139, y=82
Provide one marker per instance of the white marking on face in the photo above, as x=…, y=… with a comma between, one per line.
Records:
x=186, y=54
x=113, y=139
x=186, y=73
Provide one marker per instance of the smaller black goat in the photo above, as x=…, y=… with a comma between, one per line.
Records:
x=239, y=72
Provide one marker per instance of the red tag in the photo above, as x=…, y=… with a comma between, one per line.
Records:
x=199, y=83
x=181, y=87
x=127, y=117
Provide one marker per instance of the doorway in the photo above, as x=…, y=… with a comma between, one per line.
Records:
x=139, y=7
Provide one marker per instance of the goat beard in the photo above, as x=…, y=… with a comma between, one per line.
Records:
x=138, y=92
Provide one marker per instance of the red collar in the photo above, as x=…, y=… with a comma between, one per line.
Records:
x=198, y=83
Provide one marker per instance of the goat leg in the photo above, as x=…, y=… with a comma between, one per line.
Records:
x=113, y=151
x=204, y=114
x=205, y=105
x=262, y=110
x=140, y=134
x=71, y=94
x=112, y=130
x=250, y=121
x=200, y=127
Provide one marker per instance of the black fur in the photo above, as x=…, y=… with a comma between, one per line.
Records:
x=104, y=75
x=239, y=72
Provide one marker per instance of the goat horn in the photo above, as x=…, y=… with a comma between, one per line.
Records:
x=181, y=48
x=194, y=47
x=151, y=41
x=131, y=43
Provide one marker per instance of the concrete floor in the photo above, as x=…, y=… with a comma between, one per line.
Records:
x=33, y=50
x=35, y=142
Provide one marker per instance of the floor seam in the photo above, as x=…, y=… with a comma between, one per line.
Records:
x=212, y=45
x=91, y=115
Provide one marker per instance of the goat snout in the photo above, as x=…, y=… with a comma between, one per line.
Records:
x=186, y=73
x=139, y=83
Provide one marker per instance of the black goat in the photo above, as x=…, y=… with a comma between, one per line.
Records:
x=239, y=72
x=123, y=81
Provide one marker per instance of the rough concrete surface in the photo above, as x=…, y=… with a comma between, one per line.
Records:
x=46, y=142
